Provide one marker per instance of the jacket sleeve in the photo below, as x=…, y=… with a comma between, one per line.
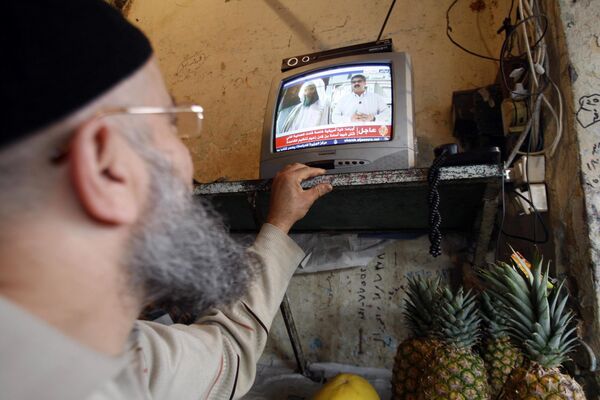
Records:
x=216, y=357
x=384, y=113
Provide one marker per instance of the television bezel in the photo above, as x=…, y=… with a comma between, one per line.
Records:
x=402, y=109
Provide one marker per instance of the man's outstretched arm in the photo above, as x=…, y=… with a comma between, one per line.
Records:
x=216, y=357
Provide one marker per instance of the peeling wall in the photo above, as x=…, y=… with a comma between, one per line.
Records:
x=223, y=55
x=574, y=175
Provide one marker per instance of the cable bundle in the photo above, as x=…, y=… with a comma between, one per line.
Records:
x=525, y=41
x=528, y=35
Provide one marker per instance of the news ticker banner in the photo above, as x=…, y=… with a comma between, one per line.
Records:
x=334, y=136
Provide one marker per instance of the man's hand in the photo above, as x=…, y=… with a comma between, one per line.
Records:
x=360, y=117
x=289, y=202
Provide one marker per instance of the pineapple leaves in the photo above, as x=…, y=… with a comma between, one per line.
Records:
x=457, y=318
x=536, y=314
x=422, y=294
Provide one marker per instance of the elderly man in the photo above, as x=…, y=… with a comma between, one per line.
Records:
x=310, y=112
x=97, y=221
x=361, y=105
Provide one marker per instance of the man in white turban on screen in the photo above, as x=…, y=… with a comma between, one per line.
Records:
x=310, y=113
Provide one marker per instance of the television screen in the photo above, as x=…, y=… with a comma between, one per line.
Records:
x=335, y=106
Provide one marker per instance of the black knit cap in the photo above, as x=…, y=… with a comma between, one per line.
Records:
x=57, y=56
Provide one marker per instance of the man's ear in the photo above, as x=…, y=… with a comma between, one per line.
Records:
x=109, y=177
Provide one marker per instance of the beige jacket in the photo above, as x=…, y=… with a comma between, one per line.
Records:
x=212, y=359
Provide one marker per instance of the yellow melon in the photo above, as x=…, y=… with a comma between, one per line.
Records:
x=347, y=387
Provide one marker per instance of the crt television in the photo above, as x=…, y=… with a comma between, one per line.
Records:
x=348, y=114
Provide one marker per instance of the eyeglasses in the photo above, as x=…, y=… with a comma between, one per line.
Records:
x=187, y=120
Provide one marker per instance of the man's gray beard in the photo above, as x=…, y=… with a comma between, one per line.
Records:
x=181, y=254
x=308, y=101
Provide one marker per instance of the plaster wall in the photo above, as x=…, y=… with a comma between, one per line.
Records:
x=355, y=316
x=223, y=54
x=574, y=174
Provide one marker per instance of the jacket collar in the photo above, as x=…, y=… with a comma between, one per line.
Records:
x=38, y=361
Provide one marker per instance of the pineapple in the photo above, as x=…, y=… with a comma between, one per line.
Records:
x=499, y=354
x=457, y=372
x=414, y=355
x=542, y=326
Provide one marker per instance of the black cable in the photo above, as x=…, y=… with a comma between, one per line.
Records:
x=544, y=31
x=505, y=26
x=433, y=200
x=508, y=45
x=501, y=228
x=536, y=44
x=528, y=183
x=454, y=42
x=537, y=214
x=513, y=236
x=540, y=142
x=386, y=20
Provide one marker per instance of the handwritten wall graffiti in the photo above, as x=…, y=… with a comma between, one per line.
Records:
x=371, y=305
x=589, y=110
x=355, y=315
x=591, y=168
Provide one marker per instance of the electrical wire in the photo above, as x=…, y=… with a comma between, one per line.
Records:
x=530, y=202
x=502, y=232
x=386, y=20
x=536, y=80
x=558, y=118
x=536, y=55
x=526, y=40
x=526, y=10
x=454, y=42
x=512, y=6
x=504, y=49
x=514, y=236
x=501, y=227
x=538, y=62
x=539, y=218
